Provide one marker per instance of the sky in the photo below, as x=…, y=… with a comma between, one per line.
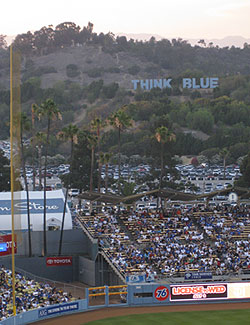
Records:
x=168, y=18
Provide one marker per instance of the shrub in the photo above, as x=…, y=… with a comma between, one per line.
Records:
x=72, y=71
x=134, y=69
x=95, y=73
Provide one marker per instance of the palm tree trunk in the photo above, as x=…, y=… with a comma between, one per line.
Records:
x=106, y=178
x=33, y=147
x=119, y=160
x=91, y=169
x=66, y=196
x=44, y=190
x=160, y=185
x=99, y=165
x=27, y=196
x=224, y=166
x=40, y=166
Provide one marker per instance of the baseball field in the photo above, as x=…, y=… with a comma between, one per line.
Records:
x=195, y=314
x=220, y=317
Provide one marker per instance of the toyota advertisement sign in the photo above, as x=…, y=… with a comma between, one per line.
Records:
x=59, y=261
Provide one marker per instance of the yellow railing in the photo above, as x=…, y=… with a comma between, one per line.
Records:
x=117, y=293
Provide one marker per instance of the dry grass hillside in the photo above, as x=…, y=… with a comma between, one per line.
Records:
x=89, y=60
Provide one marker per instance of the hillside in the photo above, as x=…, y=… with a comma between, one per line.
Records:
x=90, y=75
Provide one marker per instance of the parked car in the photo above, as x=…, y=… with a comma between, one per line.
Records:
x=152, y=206
x=73, y=192
x=140, y=206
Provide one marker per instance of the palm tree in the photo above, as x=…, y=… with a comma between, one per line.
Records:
x=224, y=153
x=33, y=145
x=163, y=135
x=96, y=125
x=25, y=126
x=104, y=160
x=39, y=140
x=92, y=140
x=120, y=120
x=68, y=133
x=50, y=111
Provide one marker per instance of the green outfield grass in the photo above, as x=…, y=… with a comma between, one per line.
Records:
x=218, y=317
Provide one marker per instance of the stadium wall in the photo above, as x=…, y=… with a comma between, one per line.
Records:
x=47, y=312
x=74, y=242
x=87, y=271
x=142, y=294
x=37, y=266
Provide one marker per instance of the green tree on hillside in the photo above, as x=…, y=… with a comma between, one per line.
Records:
x=5, y=173
x=244, y=180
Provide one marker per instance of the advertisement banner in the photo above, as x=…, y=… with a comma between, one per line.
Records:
x=198, y=275
x=136, y=278
x=59, y=261
x=54, y=205
x=6, y=245
x=44, y=312
x=239, y=290
x=198, y=292
x=161, y=293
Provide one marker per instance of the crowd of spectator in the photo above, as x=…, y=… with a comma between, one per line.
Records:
x=212, y=239
x=29, y=294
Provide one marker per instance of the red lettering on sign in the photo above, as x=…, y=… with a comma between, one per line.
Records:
x=59, y=261
x=8, y=240
x=198, y=289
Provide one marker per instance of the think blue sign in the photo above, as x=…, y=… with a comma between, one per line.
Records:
x=188, y=83
x=35, y=205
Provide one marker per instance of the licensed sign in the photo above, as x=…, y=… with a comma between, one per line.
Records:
x=198, y=275
x=44, y=312
x=6, y=245
x=198, y=292
x=59, y=261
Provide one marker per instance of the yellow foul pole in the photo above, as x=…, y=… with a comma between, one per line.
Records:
x=12, y=184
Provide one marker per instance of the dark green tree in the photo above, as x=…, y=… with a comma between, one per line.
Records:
x=80, y=171
x=5, y=173
x=245, y=170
